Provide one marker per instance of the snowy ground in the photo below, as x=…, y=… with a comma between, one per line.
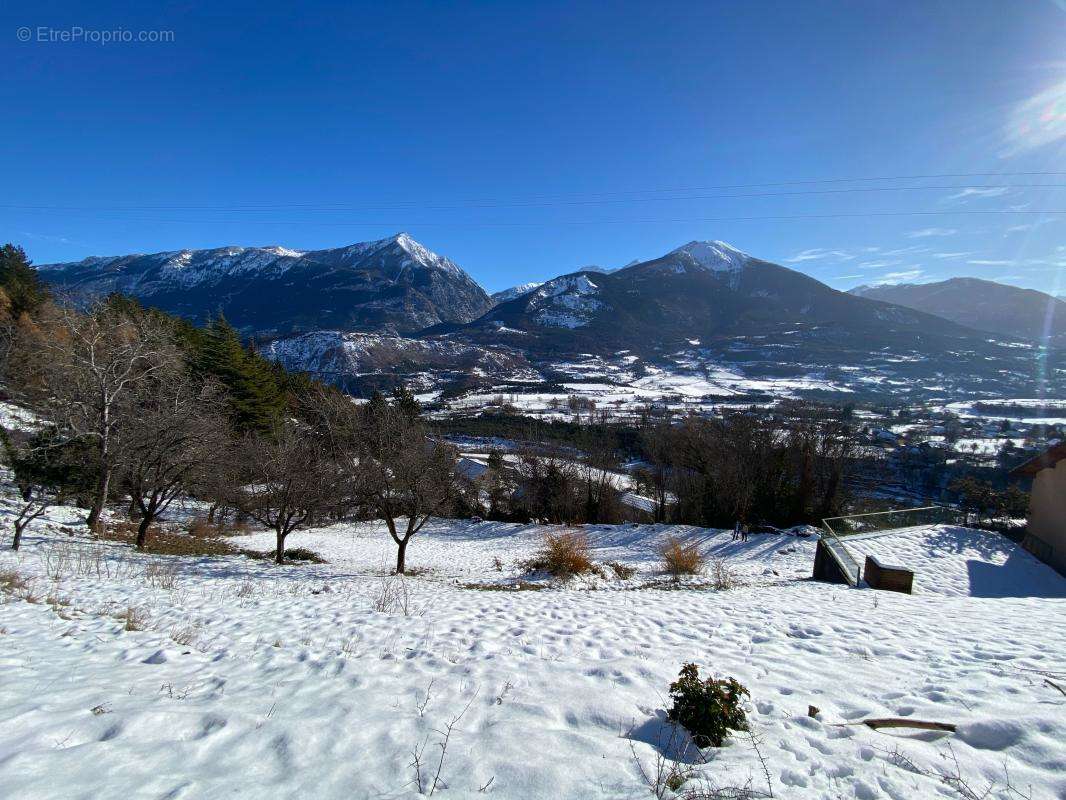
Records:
x=238, y=678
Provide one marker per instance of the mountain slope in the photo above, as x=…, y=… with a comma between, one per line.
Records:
x=392, y=285
x=702, y=290
x=985, y=305
x=504, y=295
x=707, y=309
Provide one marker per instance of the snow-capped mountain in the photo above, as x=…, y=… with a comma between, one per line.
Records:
x=699, y=290
x=704, y=314
x=710, y=303
x=393, y=284
x=504, y=295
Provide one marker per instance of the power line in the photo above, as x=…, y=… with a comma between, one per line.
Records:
x=755, y=218
x=603, y=197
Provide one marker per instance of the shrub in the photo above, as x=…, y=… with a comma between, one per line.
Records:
x=134, y=619
x=707, y=709
x=681, y=559
x=721, y=575
x=11, y=581
x=563, y=555
x=301, y=554
x=622, y=571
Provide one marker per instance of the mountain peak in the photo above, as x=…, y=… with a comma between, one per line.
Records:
x=715, y=255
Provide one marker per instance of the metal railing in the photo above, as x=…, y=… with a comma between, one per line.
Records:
x=888, y=520
x=849, y=567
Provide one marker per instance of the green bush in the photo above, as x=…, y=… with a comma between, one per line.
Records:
x=707, y=709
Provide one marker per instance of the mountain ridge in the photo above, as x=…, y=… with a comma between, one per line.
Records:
x=394, y=284
x=985, y=305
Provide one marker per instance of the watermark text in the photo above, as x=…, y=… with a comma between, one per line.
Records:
x=76, y=34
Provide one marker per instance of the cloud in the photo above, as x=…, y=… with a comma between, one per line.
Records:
x=1025, y=227
x=1037, y=121
x=877, y=264
x=975, y=191
x=903, y=276
x=990, y=262
x=899, y=251
x=925, y=233
x=951, y=255
x=847, y=277
x=819, y=254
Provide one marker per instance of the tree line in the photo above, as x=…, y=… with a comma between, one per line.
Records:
x=139, y=408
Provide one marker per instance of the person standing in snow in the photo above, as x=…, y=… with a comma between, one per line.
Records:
x=745, y=529
x=736, y=530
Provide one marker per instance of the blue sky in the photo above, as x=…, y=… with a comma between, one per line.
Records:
x=528, y=139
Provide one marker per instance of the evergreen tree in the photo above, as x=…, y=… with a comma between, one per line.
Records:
x=256, y=399
x=20, y=282
x=405, y=401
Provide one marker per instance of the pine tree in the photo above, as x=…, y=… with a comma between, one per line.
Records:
x=20, y=282
x=255, y=396
x=405, y=401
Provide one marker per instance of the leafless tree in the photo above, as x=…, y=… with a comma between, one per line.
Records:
x=599, y=467
x=34, y=492
x=172, y=438
x=405, y=477
x=549, y=483
x=39, y=472
x=96, y=361
x=289, y=480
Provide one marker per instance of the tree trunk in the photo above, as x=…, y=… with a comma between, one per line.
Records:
x=142, y=531
x=279, y=551
x=18, y=537
x=99, y=498
x=401, y=555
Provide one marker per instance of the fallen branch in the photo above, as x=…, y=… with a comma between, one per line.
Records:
x=1054, y=685
x=899, y=722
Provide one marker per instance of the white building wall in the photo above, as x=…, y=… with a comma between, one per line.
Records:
x=1047, y=513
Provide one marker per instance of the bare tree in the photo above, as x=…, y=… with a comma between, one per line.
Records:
x=549, y=484
x=96, y=360
x=172, y=438
x=289, y=480
x=43, y=471
x=405, y=477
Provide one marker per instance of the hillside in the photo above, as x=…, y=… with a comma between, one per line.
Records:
x=981, y=304
x=391, y=285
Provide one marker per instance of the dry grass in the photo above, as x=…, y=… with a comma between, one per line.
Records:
x=186, y=635
x=394, y=598
x=161, y=575
x=722, y=576
x=517, y=586
x=201, y=527
x=12, y=582
x=163, y=541
x=134, y=619
x=563, y=555
x=622, y=571
x=680, y=558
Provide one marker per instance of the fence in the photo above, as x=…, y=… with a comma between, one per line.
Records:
x=887, y=520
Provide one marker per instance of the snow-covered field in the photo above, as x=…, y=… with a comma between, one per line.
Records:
x=135, y=676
